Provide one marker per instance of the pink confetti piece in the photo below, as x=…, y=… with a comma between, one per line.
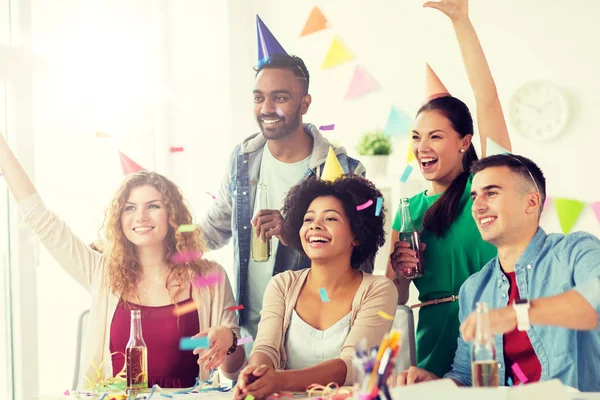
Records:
x=211, y=195
x=234, y=308
x=368, y=204
x=327, y=127
x=186, y=256
x=66, y=393
x=208, y=280
x=519, y=373
x=176, y=149
x=245, y=340
x=546, y=203
x=279, y=112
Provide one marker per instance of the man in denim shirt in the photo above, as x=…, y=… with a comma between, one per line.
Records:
x=282, y=154
x=552, y=330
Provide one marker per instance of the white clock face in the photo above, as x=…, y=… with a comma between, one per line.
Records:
x=538, y=110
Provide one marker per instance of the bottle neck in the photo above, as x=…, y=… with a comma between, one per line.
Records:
x=407, y=222
x=261, y=198
x=135, y=331
x=482, y=327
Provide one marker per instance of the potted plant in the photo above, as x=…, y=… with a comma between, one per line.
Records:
x=374, y=149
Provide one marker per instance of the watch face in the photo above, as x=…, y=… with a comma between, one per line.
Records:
x=538, y=110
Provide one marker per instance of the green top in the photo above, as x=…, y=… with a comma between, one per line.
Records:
x=448, y=262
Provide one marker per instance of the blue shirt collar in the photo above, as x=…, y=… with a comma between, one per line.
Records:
x=531, y=253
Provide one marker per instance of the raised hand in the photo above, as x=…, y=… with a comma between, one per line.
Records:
x=454, y=9
x=220, y=339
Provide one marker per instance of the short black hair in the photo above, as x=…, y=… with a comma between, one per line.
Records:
x=351, y=190
x=285, y=61
x=520, y=165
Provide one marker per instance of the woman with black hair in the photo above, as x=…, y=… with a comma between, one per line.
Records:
x=453, y=248
x=312, y=318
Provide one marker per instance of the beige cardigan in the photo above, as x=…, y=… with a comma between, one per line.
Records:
x=87, y=267
x=375, y=293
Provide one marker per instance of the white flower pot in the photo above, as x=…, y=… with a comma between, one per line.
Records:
x=375, y=165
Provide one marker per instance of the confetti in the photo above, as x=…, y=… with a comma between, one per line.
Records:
x=385, y=315
x=407, y=171
x=327, y=127
x=519, y=373
x=186, y=228
x=211, y=195
x=208, y=280
x=185, y=309
x=66, y=393
x=249, y=397
x=323, y=293
x=186, y=256
x=175, y=149
x=378, y=206
x=368, y=204
x=245, y=340
x=102, y=135
x=234, y=308
x=279, y=112
x=189, y=343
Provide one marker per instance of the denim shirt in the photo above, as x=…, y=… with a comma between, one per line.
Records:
x=550, y=265
x=231, y=212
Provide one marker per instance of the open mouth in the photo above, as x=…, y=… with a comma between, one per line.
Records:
x=317, y=241
x=486, y=221
x=428, y=162
x=270, y=121
x=143, y=229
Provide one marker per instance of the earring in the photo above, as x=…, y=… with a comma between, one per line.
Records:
x=462, y=150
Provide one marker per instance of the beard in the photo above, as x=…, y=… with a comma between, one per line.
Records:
x=283, y=128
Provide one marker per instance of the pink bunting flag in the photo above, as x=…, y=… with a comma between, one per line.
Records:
x=361, y=84
x=596, y=208
x=208, y=280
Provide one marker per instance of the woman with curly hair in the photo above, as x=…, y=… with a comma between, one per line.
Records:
x=312, y=318
x=139, y=263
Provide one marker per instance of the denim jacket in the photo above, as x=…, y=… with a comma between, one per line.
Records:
x=550, y=265
x=231, y=212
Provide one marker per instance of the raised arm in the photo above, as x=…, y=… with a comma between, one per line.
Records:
x=490, y=117
x=16, y=178
x=71, y=253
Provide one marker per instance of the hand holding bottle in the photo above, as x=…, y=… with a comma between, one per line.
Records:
x=405, y=260
x=267, y=223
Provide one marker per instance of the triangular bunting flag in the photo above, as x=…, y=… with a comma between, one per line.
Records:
x=332, y=169
x=129, y=166
x=398, y=123
x=568, y=211
x=411, y=154
x=596, y=208
x=338, y=54
x=267, y=44
x=316, y=22
x=492, y=148
x=434, y=87
x=361, y=84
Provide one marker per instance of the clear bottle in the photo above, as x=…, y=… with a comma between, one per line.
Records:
x=409, y=233
x=136, y=355
x=484, y=366
x=260, y=251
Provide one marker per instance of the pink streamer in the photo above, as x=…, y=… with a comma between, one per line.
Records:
x=208, y=280
x=519, y=373
x=211, y=195
x=368, y=204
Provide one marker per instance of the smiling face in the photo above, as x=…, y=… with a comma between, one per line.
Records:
x=326, y=232
x=279, y=102
x=144, y=218
x=437, y=146
x=504, y=205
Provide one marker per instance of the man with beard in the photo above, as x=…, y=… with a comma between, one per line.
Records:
x=282, y=154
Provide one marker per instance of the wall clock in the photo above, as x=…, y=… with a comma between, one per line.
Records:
x=539, y=110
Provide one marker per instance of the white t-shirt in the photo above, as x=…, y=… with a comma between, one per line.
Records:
x=279, y=177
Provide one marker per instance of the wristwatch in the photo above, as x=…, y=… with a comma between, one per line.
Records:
x=234, y=345
x=522, y=310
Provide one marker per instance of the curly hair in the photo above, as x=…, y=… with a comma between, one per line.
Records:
x=351, y=190
x=124, y=270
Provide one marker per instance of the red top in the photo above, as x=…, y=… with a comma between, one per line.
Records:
x=168, y=366
x=517, y=346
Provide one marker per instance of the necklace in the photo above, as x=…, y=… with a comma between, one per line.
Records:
x=155, y=279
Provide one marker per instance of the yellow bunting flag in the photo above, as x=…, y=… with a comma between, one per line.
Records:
x=568, y=212
x=332, y=169
x=338, y=54
x=316, y=22
x=411, y=154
